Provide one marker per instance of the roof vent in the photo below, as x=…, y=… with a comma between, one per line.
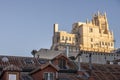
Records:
x=5, y=59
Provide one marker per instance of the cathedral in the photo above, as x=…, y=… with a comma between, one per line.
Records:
x=91, y=35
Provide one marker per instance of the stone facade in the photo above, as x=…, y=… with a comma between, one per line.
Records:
x=91, y=35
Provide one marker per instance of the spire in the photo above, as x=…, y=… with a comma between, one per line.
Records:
x=105, y=14
x=98, y=13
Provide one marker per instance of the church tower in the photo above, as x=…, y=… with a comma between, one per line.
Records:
x=100, y=20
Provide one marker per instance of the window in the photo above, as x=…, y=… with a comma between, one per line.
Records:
x=62, y=37
x=91, y=45
x=66, y=38
x=111, y=44
x=102, y=43
x=62, y=64
x=106, y=43
x=90, y=30
x=69, y=38
x=12, y=77
x=73, y=39
x=48, y=76
x=91, y=39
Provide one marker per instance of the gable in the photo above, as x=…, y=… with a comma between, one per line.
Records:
x=45, y=67
x=61, y=56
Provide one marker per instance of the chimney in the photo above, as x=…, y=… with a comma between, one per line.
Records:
x=67, y=50
x=90, y=63
x=55, y=28
x=79, y=56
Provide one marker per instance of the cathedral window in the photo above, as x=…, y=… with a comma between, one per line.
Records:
x=102, y=43
x=66, y=38
x=73, y=39
x=90, y=30
x=69, y=38
x=62, y=37
x=91, y=45
x=106, y=43
x=111, y=44
x=91, y=39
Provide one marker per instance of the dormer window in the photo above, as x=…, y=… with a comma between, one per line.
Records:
x=48, y=76
x=28, y=61
x=62, y=64
x=12, y=77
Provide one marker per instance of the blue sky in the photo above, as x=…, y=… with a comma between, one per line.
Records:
x=28, y=24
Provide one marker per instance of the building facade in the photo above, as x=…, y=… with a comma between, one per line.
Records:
x=96, y=57
x=91, y=35
x=58, y=67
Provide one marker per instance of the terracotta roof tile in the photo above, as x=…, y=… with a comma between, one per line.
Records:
x=19, y=61
x=103, y=72
x=12, y=68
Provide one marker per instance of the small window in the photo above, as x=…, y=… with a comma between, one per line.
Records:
x=106, y=43
x=91, y=45
x=90, y=30
x=62, y=64
x=66, y=38
x=73, y=39
x=91, y=39
x=12, y=77
x=69, y=38
x=48, y=76
x=102, y=43
x=111, y=44
x=62, y=37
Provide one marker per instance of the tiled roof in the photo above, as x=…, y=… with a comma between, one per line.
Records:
x=22, y=62
x=48, y=54
x=69, y=76
x=103, y=72
x=12, y=68
x=99, y=71
x=25, y=76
